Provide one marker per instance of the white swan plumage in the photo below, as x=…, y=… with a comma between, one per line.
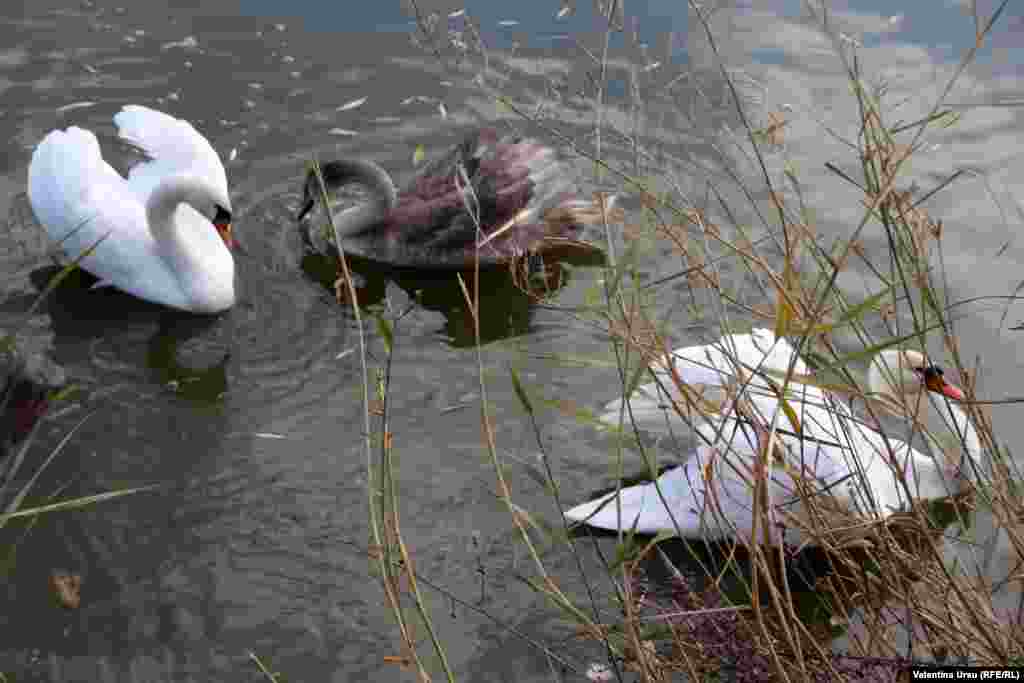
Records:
x=164, y=233
x=819, y=443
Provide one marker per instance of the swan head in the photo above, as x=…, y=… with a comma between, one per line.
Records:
x=209, y=199
x=905, y=373
x=222, y=223
x=905, y=377
x=339, y=173
x=216, y=206
x=333, y=176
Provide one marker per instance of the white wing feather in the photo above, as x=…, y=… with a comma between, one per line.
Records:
x=173, y=146
x=85, y=204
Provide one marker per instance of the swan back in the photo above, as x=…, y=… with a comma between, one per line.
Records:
x=757, y=361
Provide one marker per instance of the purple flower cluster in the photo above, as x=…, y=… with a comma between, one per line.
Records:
x=723, y=640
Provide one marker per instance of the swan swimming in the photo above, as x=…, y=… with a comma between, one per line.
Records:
x=164, y=233
x=525, y=202
x=820, y=447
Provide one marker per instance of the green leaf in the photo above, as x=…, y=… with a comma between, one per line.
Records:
x=384, y=328
x=72, y=504
x=419, y=155
x=520, y=391
x=869, y=304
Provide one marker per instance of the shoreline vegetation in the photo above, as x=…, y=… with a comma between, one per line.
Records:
x=914, y=588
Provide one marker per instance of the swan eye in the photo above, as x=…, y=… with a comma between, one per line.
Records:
x=222, y=223
x=929, y=372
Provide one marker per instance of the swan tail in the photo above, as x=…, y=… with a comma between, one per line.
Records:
x=640, y=507
x=580, y=212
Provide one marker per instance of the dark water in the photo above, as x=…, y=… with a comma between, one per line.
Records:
x=251, y=421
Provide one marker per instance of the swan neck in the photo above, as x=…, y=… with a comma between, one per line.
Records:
x=163, y=204
x=188, y=243
x=384, y=196
x=883, y=375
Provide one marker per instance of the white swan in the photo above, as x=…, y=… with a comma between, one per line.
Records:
x=820, y=447
x=164, y=233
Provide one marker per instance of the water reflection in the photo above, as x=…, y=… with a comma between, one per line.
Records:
x=188, y=370
x=508, y=295
x=180, y=353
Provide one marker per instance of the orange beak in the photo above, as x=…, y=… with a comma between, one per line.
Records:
x=937, y=383
x=224, y=230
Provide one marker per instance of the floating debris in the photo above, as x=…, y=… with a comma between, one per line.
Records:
x=287, y=59
x=564, y=12
x=599, y=673
x=343, y=131
x=346, y=352
x=352, y=105
x=457, y=13
x=174, y=96
x=417, y=98
x=652, y=66
x=186, y=42
x=280, y=27
x=418, y=155
x=67, y=588
x=233, y=154
x=76, y=105
x=508, y=22
x=256, y=86
x=850, y=40
x=269, y=435
x=441, y=108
